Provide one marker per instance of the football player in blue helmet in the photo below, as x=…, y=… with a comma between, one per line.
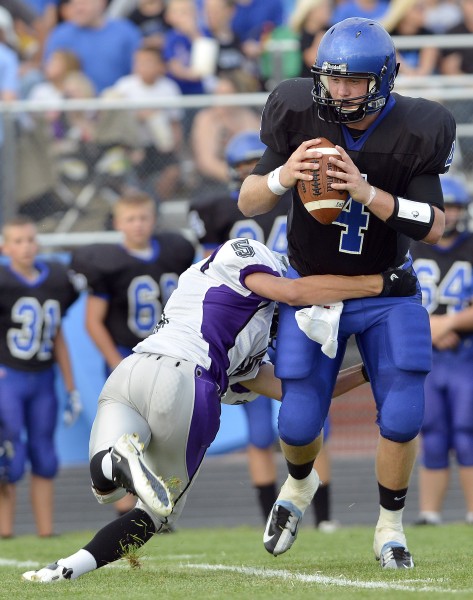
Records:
x=456, y=199
x=391, y=159
x=354, y=49
x=241, y=152
x=445, y=272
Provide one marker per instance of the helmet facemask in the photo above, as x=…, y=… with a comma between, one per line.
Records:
x=348, y=110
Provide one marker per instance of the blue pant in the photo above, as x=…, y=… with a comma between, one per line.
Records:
x=393, y=336
x=28, y=414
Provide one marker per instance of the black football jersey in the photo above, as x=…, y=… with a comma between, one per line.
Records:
x=31, y=314
x=445, y=274
x=411, y=137
x=216, y=219
x=135, y=288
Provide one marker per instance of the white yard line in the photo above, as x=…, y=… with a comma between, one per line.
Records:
x=324, y=580
x=423, y=585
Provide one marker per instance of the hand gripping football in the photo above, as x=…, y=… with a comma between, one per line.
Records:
x=319, y=198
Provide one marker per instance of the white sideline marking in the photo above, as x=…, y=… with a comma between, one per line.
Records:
x=281, y=574
x=9, y=562
x=323, y=579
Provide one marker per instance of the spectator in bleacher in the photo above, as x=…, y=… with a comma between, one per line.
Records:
x=9, y=78
x=441, y=15
x=459, y=61
x=104, y=46
x=310, y=20
x=407, y=17
x=58, y=66
x=231, y=56
x=9, y=62
x=155, y=162
x=253, y=22
x=256, y=18
x=23, y=35
x=149, y=17
x=181, y=16
x=366, y=9
x=46, y=17
x=212, y=129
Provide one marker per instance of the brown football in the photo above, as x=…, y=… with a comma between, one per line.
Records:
x=319, y=198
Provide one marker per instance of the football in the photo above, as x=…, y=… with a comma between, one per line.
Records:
x=319, y=198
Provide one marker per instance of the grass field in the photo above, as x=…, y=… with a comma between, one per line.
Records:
x=232, y=563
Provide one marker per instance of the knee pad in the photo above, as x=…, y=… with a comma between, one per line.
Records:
x=435, y=450
x=302, y=414
x=402, y=372
x=463, y=445
x=45, y=464
x=402, y=413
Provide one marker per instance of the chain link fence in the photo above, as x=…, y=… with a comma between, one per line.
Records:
x=65, y=164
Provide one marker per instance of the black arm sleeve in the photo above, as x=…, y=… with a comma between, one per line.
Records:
x=268, y=162
x=426, y=188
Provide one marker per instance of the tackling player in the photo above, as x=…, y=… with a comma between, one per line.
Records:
x=446, y=278
x=393, y=149
x=130, y=282
x=35, y=296
x=159, y=410
x=215, y=219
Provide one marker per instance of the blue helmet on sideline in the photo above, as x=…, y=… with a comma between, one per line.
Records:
x=244, y=147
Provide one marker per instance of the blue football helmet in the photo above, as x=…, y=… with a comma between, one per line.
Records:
x=359, y=49
x=244, y=147
x=455, y=193
x=241, y=153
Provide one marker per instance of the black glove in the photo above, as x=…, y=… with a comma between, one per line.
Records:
x=399, y=282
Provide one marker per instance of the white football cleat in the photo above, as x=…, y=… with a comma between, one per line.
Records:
x=130, y=471
x=49, y=574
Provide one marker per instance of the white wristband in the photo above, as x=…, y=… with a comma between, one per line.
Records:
x=274, y=184
x=373, y=192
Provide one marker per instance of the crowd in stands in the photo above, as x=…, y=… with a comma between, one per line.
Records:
x=143, y=49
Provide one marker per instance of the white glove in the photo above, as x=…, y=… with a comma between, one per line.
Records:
x=320, y=323
x=73, y=408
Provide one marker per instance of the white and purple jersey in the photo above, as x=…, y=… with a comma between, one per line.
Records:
x=213, y=319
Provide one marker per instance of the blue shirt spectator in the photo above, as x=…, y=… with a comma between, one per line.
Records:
x=253, y=18
x=365, y=9
x=104, y=47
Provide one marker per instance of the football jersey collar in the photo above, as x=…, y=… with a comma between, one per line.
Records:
x=351, y=144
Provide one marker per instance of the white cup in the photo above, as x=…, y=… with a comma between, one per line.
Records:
x=204, y=55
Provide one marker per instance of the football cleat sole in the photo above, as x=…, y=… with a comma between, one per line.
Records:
x=131, y=472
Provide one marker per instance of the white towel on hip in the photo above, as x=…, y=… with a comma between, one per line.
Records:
x=320, y=323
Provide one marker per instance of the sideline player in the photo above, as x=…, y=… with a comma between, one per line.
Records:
x=34, y=298
x=446, y=278
x=159, y=410
x=392, y=149
x=216, y=218
x=130, y=282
